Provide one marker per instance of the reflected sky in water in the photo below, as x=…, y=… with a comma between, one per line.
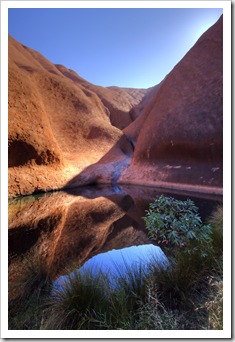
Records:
x=117, y=264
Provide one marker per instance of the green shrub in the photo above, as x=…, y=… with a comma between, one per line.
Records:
x=176, y=223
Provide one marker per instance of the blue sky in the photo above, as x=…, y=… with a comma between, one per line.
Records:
x=123, y=47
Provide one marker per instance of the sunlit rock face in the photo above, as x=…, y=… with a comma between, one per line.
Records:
x=58, y=122
x=117, y=101
x=179, y=135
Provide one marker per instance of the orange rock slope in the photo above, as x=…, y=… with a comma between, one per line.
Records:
x=58, y=125
x=61, y=132
x=179, y=136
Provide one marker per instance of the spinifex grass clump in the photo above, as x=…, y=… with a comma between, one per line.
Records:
x=214, y=302
x=175, y=223
x=80, y=295
x=26, y=309
x=216, y=222
x=88, y=301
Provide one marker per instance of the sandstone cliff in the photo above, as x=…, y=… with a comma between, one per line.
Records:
x=179, y=136
x=58, y=123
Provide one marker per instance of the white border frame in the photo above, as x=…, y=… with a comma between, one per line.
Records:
x=226, y=332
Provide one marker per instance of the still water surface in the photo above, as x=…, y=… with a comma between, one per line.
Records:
x=62, y=229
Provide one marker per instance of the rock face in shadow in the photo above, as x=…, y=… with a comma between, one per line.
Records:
x=58, y=123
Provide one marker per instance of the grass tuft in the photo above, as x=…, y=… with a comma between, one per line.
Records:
x=26, y=310
x=78, y=295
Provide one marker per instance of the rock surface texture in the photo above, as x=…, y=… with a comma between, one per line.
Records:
x=62, y=128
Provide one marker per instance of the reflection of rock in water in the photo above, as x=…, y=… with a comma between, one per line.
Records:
x=62, y=229
x=118, y=264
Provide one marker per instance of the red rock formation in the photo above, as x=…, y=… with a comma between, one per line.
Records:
x=178, y=135
x=58, y=125
x=31, y=140
x=184, y=116
x=118, y=101
x=60, y=132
